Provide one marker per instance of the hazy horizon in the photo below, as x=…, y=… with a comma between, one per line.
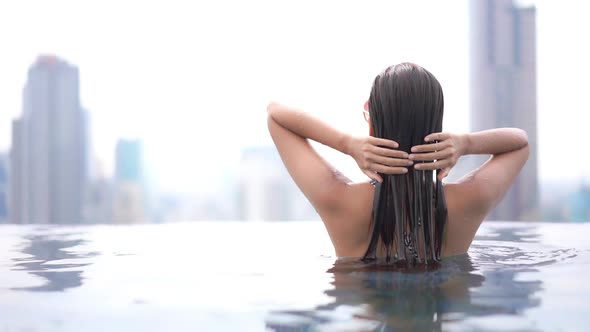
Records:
x=192, y=80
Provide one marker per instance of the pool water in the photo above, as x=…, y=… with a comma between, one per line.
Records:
x=239, y=276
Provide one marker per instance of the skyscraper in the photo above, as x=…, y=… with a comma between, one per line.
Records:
x=128, y=160
x=266, y=191
x=48, y=157
x=129, y=195
x=503, y=88
x=3, y=187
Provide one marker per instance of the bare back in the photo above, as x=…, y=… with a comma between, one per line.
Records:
x=469, y=201
x=352, y=238
x=345, y=207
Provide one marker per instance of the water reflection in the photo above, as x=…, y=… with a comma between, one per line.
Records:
x=44, y=249
x=487, y=282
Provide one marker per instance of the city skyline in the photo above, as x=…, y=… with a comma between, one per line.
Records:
x=174, y=82
x=194, y=91
x=51, y=179
x=259, y=189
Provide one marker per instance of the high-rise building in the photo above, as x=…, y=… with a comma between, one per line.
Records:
x=98, y=205
x=48, y=157
x=3, y=188
x=266, y=191
x=578, y=205
x=503, y=88
x=128, y=160
x=129, y=194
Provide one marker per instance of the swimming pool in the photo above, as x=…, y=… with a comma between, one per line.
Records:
x=238, y=276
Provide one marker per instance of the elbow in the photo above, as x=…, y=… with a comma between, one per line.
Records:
x=526, y=152
x=523, y=137
x=525, y=144
x=522, y=146
x=271, y=121
x=272, y=108
x=276, y=111
x=526, y=148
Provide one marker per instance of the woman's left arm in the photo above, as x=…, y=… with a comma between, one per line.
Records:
x=318, y=180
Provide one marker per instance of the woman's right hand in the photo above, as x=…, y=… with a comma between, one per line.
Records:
x=378, y=155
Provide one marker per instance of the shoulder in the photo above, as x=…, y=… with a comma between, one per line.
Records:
x=466, y=212
x=348, y=226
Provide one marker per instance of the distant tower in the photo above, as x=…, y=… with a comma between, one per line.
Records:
x=266, y=191
x=129, y=195
x=579, y=205
x=503, y=88
x=3, y=188
x=48, y=157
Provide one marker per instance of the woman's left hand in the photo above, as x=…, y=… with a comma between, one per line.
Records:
x=443, y=154
x=378, y=155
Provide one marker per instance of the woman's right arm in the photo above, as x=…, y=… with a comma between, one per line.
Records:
x=510, y=151
x=472, y=198
x=486, y=185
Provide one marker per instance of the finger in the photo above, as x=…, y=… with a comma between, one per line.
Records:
x=373, y=175
x=389, y=152
x=430, y=147
x=390, y=161
x=431, y=156
x=437, y=137
x=383, y=142
x=432, y=166
x=389, y=170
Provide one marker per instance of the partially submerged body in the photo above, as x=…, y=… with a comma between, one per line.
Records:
x=406, y=104
x=345, y=207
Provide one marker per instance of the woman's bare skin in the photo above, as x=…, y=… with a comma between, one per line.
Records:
x=345, y=207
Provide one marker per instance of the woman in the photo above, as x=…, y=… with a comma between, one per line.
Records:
x=404, y=214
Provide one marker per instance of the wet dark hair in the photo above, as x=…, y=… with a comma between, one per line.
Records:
x=409, y=210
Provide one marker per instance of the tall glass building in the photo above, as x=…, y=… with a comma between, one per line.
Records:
x=503, y=92
x=48, y=157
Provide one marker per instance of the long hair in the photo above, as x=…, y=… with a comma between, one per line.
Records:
x=409, y=210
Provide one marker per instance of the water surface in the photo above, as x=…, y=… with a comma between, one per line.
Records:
x=237, y=276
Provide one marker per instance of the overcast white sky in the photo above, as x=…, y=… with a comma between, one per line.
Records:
x=192, y=78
